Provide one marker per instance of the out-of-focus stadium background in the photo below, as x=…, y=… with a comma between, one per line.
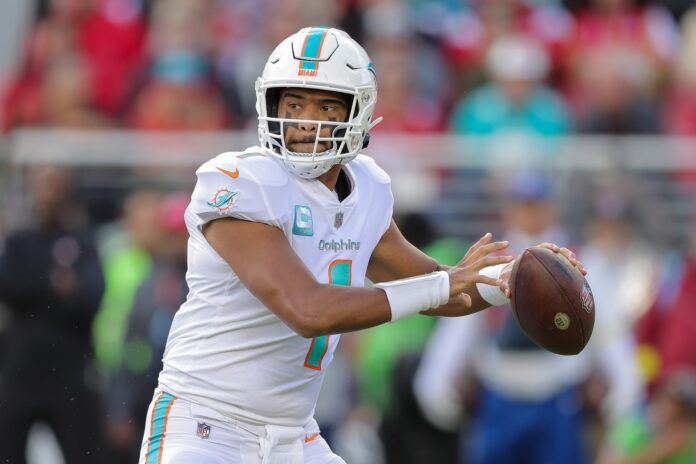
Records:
x=539, y=120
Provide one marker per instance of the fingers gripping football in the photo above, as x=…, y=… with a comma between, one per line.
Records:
x=465, y=275
x=567, y=254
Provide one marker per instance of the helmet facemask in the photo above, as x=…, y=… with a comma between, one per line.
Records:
x=346, y=138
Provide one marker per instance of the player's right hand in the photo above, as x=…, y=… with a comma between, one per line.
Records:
x=465, y=275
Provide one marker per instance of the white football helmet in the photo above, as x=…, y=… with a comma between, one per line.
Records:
x=325, y=59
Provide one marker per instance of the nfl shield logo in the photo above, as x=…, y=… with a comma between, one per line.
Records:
x=586, y=298
x=338, y=220
x=203, y=430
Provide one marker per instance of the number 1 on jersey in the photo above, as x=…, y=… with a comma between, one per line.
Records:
x=340, y=271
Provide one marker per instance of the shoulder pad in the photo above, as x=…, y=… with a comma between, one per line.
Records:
x=249, y=185
x=251, y=164
x=371, y=168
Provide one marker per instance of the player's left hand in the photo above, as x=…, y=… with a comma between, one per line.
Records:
x=565, y=252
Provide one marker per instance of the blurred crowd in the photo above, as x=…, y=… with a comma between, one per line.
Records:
x=87, y=298
x=547, y=67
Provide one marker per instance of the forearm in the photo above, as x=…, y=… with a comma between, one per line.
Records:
x=395, y=258
x=408, y=262
x=331, y=309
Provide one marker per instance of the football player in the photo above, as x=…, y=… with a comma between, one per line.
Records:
x=282, y=238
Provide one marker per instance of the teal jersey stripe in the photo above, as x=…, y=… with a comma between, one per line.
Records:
x=317, y=353
x=312, y=47
x=159, y=419
x=340, y=273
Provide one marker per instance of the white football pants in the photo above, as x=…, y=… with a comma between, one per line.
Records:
x=180, y=432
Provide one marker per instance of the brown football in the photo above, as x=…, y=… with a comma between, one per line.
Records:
x=552, y=301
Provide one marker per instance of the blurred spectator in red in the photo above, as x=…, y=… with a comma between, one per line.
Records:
x=179, y=91
x=58, y=98
x=640, y=44
x=516, y=102
x=680, y=115
x=51, y=280
x=52, y=38
x=680, y=108
x=468, y=34
x=666, y=331
x=156, y=301
x=104, y=38
x=112, y=40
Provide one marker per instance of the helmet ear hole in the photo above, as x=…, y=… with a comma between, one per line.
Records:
x=272, y=101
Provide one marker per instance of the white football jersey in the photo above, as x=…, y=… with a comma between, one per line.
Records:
x=228, y=351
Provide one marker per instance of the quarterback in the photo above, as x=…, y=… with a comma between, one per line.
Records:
x=282, y=239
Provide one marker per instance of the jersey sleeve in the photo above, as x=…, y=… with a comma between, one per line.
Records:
x=231, y=185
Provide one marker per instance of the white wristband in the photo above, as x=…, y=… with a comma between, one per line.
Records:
x=415, y=294
x=492, y=293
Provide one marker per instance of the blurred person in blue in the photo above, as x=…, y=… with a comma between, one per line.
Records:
x=513, y=402
x=516, y=101
x=154, y=304
x=51, y=280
